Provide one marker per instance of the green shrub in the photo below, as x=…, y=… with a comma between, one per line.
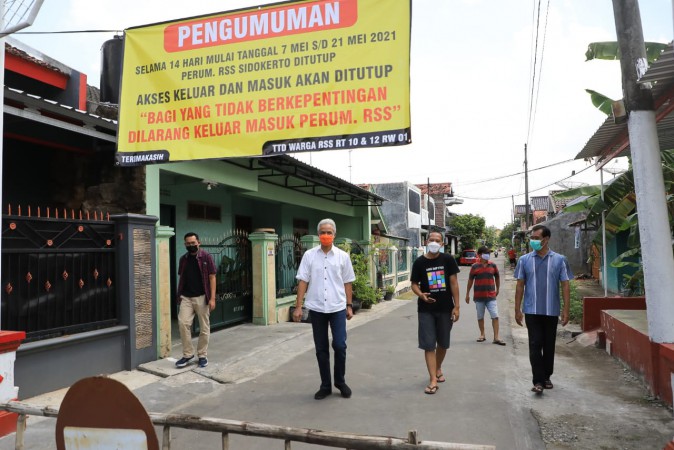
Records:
x=576, y=310
x=362, y=288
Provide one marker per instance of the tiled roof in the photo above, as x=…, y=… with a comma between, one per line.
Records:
x=520, y=209
x=23, y=55
x=557, y=204
x=540, y=203
x=436, y=188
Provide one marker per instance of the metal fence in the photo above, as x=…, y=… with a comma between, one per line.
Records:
x=58, y=275
x=225, y=427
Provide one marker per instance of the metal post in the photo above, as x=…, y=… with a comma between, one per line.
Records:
x=166, y=438
x=526, y=190
x=603, y=238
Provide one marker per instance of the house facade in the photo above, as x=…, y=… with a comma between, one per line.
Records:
x=112, y=236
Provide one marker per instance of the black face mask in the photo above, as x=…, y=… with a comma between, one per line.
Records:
x=192, y=248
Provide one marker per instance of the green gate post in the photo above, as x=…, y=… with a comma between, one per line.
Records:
x=264, y=277
x=310, y=241
x=163, y=236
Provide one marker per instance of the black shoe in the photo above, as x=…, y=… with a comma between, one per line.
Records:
x=322, y=393
x=344, y=389
x=182, y=362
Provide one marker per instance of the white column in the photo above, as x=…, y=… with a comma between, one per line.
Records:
x=656, y=240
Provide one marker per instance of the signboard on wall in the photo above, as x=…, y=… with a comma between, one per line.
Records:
x=289, y=77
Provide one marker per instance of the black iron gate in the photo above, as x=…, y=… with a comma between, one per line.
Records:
x=288, y=256
x=234, y=290
x=58, y=275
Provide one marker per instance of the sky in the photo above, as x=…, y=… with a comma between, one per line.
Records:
x=476, y=98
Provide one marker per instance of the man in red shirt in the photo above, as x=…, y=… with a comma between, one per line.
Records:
x=484, y=275
x=512, y=256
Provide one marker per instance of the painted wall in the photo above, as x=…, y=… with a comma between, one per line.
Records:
x=395, y=211
x=615, y=276
x=563, y=240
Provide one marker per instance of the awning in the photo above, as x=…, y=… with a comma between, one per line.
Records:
x=290, y=173
x=35, y=119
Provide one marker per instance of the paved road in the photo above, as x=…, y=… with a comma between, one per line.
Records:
x=269, y=375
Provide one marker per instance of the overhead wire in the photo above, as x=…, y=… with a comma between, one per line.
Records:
x=540, y=70
x=521, y=193
x=68, y=32
x=533, y=73
x=487, y=180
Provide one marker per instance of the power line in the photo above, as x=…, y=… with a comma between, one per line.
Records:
x=540, y=70
x=521, y=193
x=69, y=32
x=486, y=180
x=533, y=72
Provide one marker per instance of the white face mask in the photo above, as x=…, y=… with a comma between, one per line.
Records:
x=485, y=256
x=434, y=247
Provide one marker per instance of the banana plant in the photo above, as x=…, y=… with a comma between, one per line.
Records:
x=619, y=204
x=610, y=51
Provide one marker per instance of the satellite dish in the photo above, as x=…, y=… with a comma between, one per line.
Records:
x=18, y=14
x=614, y=170
x=571, y=184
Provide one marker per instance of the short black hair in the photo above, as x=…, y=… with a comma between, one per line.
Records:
x=437, y=231
x=190, y=234
x=545, y=231
x=483, y=249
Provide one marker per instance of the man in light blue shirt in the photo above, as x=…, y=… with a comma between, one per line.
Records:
x=325, y=275
x=539, y=275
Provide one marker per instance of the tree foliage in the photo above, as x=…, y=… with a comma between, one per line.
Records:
x=490, y=236
x=507, y=233
x=469, y=228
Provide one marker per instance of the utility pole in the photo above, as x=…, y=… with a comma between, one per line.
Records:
x=428, y=202
x=526, y=190
x=654, y=231
x=512, y=197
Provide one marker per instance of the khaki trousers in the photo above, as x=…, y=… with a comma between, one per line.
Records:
x=189, y=307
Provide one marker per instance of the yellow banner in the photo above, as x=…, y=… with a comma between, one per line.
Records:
x=296, y=76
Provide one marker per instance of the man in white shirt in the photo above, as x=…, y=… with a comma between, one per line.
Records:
x=325, y=276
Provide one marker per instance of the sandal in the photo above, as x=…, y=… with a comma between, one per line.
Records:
x=481, y=339
x=538, y=389
x=499, y=342
x=430, y=390
x=547, y=384
x=440, y=378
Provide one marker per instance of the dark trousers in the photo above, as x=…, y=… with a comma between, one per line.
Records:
x=337, y=323
x=542, y=335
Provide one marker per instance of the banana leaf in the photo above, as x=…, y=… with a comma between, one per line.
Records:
x=619, y=260
x=616, y=217
x=610, y=51
x=601, y=102
x=577, y=192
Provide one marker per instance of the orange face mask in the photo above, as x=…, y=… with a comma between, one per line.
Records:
x=326, y=239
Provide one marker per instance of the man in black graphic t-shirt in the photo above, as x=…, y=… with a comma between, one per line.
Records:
x=435, y=283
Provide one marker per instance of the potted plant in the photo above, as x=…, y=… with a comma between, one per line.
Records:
x=388, y=293
x=362, y=289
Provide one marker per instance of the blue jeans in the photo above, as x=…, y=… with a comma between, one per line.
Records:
x=337, y=323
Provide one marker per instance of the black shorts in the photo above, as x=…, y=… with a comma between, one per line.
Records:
x=434, y=327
